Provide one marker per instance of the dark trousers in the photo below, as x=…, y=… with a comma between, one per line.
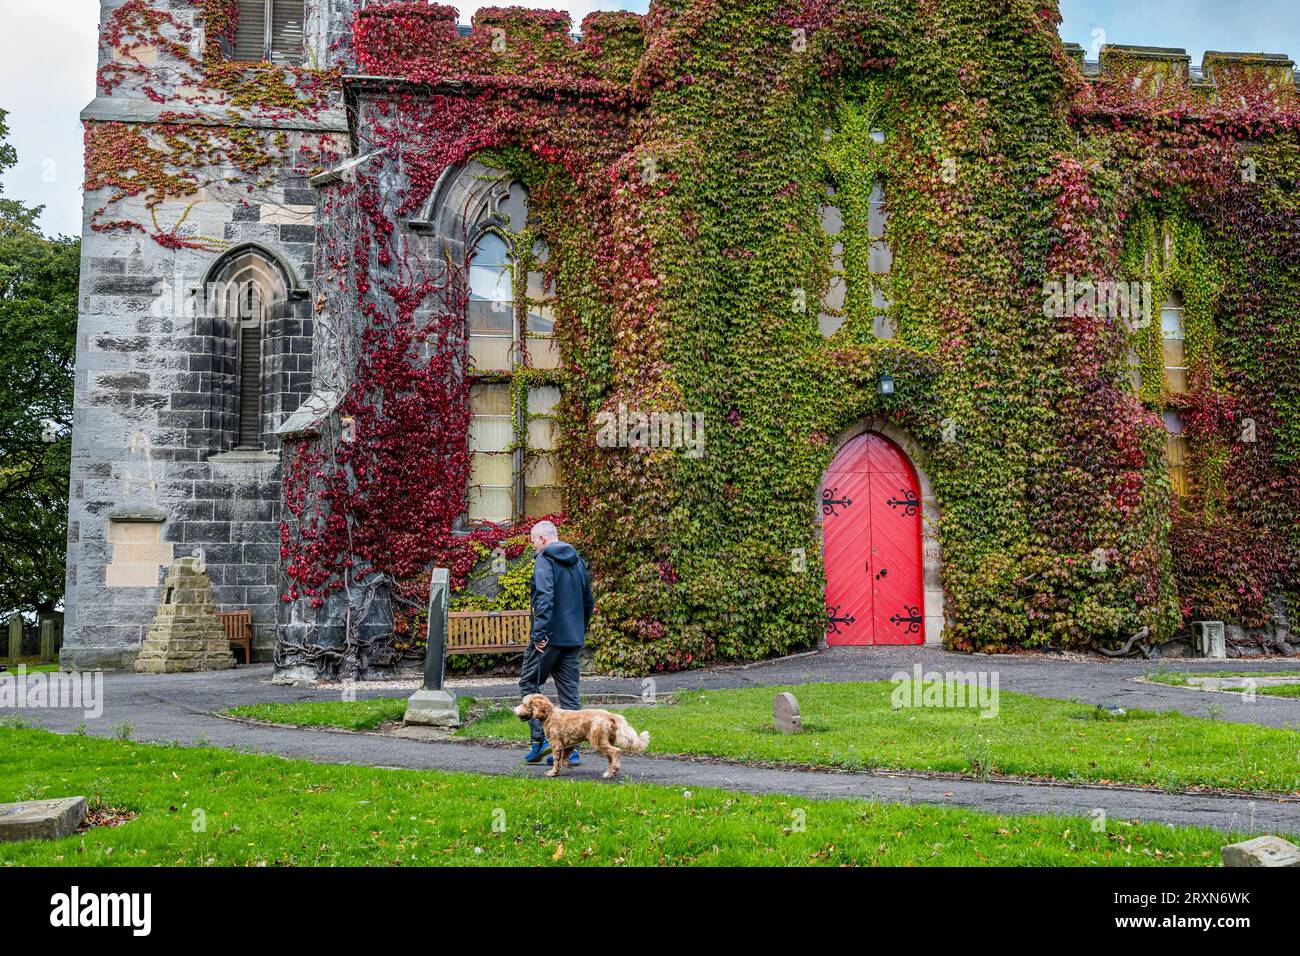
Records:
x=558, y=663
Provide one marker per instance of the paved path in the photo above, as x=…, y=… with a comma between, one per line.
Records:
x=183, y=707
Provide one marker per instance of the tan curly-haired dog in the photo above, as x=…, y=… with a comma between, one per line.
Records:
x=609, y=733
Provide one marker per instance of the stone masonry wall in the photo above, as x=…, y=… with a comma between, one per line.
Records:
x=155, y=476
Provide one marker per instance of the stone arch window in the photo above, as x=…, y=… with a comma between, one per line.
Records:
x=880, y=259
x=510, y=328
x=267, y=30
x=245, y=294
x=1172, y=332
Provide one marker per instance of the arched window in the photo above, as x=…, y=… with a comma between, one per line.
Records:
x=1175, y=354
x=880, y=259
x=510, y=326
x=245, y=290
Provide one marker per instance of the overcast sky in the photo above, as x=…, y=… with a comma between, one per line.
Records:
x=47, y=67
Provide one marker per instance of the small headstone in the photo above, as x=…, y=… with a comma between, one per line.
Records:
x=785, y=714
x=15, y=639
x=1266, y=850
x=41, y=819
x=47, y=642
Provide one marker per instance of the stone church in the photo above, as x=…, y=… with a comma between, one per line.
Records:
x=357, y=281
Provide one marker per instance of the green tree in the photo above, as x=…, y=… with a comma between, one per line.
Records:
x=38, y=333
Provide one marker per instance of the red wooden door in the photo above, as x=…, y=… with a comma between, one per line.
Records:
x=871, y=532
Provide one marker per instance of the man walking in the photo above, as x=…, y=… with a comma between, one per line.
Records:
x=562, y=603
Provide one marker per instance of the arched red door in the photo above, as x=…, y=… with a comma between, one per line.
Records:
x=871, y=532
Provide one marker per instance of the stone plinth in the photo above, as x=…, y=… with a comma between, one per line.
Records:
x=41, y=819
x=1266, y=850
x=186, y=634
x=432, y=708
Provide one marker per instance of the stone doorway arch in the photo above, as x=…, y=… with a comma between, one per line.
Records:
x=932, y=598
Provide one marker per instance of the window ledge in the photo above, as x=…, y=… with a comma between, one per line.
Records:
x=142, y=514
x=240, y=456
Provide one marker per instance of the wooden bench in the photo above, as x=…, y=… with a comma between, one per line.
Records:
x=488, y=632
x=239, y=630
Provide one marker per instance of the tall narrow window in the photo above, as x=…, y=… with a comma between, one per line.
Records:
x=250, y=370
x=268, y=30
x=1176, y=452
x=543, y=350
x=1134, y=365
x=542, y=474
x=491, y=433
x=245, y=289
x=510, y=326
x=880, y=259
x=491, y=317
x=831, y=316
x=1175, y=354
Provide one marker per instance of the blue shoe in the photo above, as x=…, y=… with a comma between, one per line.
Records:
x=575, y=760
x=539, y=750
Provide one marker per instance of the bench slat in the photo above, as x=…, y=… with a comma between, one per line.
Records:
x=488, y=632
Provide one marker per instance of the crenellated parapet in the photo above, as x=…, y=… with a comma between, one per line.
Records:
x=1223, y=79
x=421, y=41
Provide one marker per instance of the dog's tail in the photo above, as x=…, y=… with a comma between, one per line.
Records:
x=625, y=738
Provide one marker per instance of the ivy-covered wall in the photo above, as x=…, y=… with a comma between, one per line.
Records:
x=677, y=165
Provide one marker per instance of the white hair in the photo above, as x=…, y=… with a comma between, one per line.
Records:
x=547, y=530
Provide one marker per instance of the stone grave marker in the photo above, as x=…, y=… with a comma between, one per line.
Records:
x=47, y=642
x=785, y=714
x=41, y=819
x=1266, y=850
x=15, y=639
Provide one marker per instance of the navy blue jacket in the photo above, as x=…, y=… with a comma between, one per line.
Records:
x=561, y=596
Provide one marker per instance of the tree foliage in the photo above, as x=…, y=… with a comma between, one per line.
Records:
x=38, y=328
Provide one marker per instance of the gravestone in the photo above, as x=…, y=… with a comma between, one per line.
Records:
x=186, y=634
x=432, y=705
x=47, y=642
x=785, y=714
x=15, y=638
x=41, y=819
x=1266, y=850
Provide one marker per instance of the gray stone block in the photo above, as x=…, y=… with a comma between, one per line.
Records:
x=41, y=819
x=432, y=708
x=785, y=714
x=1266, y=850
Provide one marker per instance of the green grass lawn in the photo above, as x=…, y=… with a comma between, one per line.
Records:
x=1182, y=679
x=853, y=726
x=33, y=666
x=204, y=806
x=350, y=715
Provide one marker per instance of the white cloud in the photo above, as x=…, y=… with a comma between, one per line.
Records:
x=47, y=75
